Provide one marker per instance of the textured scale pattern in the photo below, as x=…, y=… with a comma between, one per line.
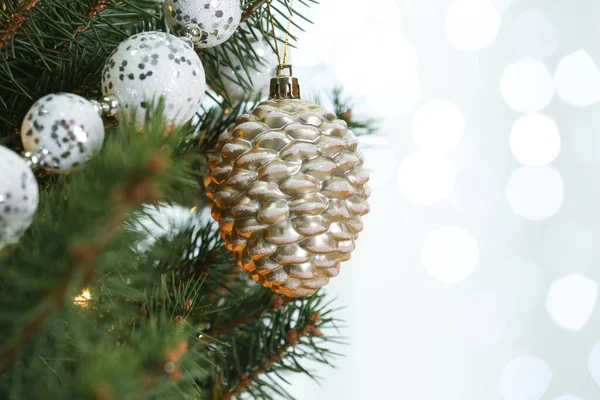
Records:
x=217, y=19
x=66, y=127
x=289, y=190
x=151, y=65
x=18, y=196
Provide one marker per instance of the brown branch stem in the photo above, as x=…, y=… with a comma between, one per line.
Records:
x=17, y=20
x=251, y=8
x=293, y=337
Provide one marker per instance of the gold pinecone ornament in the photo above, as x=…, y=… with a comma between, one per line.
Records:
x=289, y=190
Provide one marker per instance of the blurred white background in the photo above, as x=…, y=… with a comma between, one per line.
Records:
x=476, y=275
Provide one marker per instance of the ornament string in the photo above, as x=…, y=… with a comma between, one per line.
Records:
x=281, y=61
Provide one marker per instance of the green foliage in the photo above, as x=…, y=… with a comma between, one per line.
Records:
x=144, y=301
x=169, y=315
x=61, y=46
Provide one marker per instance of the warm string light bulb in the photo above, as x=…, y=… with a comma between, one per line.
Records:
x=83, y=298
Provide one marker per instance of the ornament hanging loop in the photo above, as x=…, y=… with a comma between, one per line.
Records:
x=281, y=61
x=284, y=86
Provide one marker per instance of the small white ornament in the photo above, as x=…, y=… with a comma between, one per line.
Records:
x=64, y=130
x=217, y=19
x=151, y=65
x=18, y=196
x=261, y=72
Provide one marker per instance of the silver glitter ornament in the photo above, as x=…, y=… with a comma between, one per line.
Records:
x=208, y=22
x=151, y=65
x=289, y=190
x=62, y=131
x=18, y=196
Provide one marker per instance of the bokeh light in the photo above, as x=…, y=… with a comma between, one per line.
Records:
x=525, y=378
x=483, y=179
x=535, y=140
x=478, y=320
x=450, y=254
x=426, y=178
x=571, y=301
x=438, y=126
x=532, y=34
x=535, y=193
x=472, y=25
x=594, y=363
x=527, y=85
x=577, y=79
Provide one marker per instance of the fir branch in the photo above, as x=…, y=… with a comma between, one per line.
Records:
x=85, y=256
x=344, y=109
x=17, y=20
x=293, y=338
x=90, y=14
x=277, y=302
x=248, y=11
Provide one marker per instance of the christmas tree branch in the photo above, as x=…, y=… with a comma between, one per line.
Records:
x=90, y=14
x=17, y=20
x=293, y=338
x=276, y=302
x=249, y=10
x=149, y=291
x=344, y=109
x=85, y=256
x=39, y=63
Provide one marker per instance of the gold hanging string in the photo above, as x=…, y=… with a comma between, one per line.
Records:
x=287, y=34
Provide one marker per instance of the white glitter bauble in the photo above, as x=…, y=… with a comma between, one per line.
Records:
x=218, y=19
x=18, y=196
x=64, y=130
x=150, y=65
x=261, y=72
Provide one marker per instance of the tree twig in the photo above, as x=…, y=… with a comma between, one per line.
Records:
x=251, y=8
x=17, y=20
x=293, y=337
x=276, y=303
x=90, y=14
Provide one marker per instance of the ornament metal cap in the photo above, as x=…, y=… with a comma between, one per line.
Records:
x=284, y=86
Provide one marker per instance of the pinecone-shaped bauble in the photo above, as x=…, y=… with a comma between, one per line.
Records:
x=289, y=190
